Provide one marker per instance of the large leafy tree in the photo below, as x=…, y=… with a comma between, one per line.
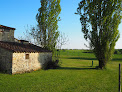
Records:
x=100, y=20
x=47, y=18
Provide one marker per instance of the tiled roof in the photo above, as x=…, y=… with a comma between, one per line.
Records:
x=2, y=26
x=19, y=47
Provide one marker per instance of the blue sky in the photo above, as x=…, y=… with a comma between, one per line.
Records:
x=20, y=13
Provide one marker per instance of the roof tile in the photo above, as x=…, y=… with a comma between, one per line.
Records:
x=2, y=26
x=19, y=47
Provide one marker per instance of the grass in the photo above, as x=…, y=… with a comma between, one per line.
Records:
x=74, y=75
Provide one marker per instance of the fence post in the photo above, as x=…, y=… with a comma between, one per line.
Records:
x=92, y=63
x=119, y=77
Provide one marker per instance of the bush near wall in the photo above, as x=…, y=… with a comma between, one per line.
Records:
x=118, y=51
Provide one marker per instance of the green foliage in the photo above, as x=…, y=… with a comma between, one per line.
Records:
x=118, y=51
x=100, y=20
x=47, y=18
x=52, y=65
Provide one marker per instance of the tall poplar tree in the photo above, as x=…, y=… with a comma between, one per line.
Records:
x=47, y=18
x=100, y=20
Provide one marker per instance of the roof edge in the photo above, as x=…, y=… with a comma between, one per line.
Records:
x=2, y=26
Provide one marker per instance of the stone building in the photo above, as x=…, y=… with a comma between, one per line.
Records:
x=19, y=56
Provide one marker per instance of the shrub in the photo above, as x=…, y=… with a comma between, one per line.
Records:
x=117, y=52
x=52, y=65
x=120, y=50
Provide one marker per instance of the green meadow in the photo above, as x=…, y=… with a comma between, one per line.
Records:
x=75, y=74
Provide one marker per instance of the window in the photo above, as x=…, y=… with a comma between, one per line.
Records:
x=26, y=56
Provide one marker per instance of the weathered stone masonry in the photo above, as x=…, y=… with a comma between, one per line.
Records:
x=13, y=63
x=36, y=61
x=5, y=60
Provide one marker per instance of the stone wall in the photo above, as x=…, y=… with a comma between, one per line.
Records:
x=7, y=35
x=1, y=33
x=5, y=61
x=36, y=61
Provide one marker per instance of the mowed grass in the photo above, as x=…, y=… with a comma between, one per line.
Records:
x=75, y=75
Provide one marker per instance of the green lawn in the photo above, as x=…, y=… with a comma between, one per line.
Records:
x=74, y=75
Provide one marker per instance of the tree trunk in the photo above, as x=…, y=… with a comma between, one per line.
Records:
x=45, y=37
x=102, y=64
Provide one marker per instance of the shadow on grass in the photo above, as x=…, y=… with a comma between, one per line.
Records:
x=117, y=59
x=83, y=58
x=87, y=58
x=75, y=68
x=87, y=52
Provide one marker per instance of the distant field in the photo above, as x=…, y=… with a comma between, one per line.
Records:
x=85, y=54
x=75, y=75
